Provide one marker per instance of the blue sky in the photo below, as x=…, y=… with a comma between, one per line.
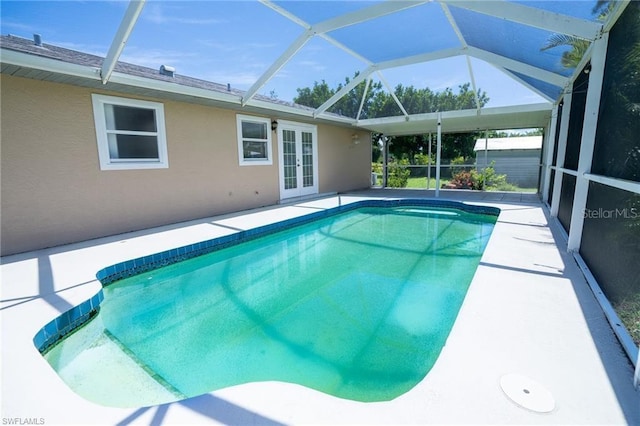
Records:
x=235, y=42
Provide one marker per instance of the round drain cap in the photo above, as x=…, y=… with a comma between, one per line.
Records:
x=527, y=393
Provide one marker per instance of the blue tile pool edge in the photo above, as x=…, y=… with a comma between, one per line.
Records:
x=77, y=316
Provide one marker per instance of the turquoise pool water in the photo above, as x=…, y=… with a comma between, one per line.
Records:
x=357, y=305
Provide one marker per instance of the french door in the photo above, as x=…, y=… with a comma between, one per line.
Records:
x=298, y=150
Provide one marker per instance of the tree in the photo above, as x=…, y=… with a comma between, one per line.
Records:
x=347, y=106
x=379, y=103
x=417, y=101
x=578, y=47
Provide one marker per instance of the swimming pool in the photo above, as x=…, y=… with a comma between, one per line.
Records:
x=356, y=302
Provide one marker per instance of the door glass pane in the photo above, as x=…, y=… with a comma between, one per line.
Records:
x=289, y=159
x=307, y=159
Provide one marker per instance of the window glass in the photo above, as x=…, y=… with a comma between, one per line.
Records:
x=130, y=133
x=253, y=130
x=133, y=147
x=252, y=149
x=129, y=118
x=254, y=140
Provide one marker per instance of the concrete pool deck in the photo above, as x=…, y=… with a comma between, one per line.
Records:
x=528, y=311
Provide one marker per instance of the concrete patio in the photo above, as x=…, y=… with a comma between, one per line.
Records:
x=528, y=311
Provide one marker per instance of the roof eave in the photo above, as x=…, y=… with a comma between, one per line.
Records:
x=92, y=73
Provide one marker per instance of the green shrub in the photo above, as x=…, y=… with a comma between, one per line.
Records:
x=492, y=179
x=398, y=174
x=423, y=159
x=468, y=180
x=457, y=166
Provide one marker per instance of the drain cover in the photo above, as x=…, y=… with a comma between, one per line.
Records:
x=527, y=393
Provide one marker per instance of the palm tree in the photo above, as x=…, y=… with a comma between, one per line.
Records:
x=572, y=57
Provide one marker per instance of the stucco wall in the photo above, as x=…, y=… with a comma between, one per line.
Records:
x=53, y=191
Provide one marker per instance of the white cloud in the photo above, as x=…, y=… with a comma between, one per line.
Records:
x=156, y=14
x=92, y=49
x=19, y=27
x=315, y=66
x=153, y=58
x=238, y=80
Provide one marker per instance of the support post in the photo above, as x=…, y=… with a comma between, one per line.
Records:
x=548, y=157
x=429, y=164
x=486, y=149
x=438, y=152
x=562, y=148
x=385, y=158
x=589, y=127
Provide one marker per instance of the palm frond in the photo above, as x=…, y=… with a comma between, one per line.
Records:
x=557, y=40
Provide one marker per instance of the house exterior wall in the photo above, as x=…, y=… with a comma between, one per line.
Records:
x=53, y=191
x=520, y=166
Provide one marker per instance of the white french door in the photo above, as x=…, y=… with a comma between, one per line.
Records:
x=298, y=150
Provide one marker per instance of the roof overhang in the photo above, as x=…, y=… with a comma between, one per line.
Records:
x=513, y=117
x=500, y=118
x=37, y=67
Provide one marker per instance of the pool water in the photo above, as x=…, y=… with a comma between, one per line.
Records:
x=356, y=305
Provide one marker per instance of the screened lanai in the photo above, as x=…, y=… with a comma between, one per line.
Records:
x=569, y=67
x=502, y=48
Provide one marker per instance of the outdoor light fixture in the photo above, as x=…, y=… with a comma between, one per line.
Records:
x=355, y=138
x=274, y=125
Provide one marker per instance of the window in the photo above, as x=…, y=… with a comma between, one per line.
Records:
x=130, y=133
x=254, y=140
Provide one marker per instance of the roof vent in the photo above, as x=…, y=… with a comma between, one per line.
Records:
x=37, y=39
x=167, y=70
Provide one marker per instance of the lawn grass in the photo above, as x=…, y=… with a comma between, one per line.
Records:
x=421, y=183
x=629, y=312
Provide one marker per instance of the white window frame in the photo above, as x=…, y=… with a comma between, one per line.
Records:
x=254, y=161
x=99, y=115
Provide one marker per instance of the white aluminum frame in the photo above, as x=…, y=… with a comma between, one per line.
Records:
x=120, y=39
x=597, y=56
x=548, y=155
x=587, y=144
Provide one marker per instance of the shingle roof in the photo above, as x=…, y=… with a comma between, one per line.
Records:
x=20, y=44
